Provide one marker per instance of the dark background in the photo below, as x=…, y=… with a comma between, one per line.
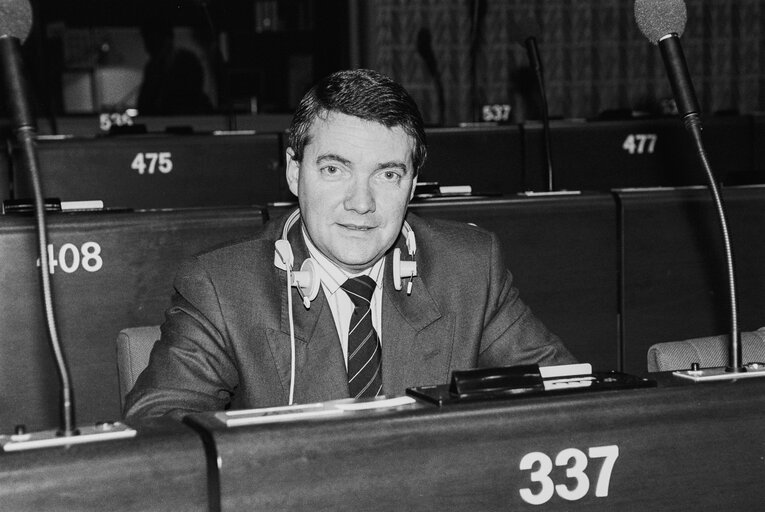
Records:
x=262, y=54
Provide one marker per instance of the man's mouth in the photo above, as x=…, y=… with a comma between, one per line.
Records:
x=355, y=227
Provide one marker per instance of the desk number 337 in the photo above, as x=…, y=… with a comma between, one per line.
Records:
x=577, y=482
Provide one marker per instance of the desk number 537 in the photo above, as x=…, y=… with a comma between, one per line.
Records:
x=578, y=483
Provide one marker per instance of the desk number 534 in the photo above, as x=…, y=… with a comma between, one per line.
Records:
x=578, y=483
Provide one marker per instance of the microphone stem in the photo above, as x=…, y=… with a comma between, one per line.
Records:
x=735, y=363
x=536, y=63
x=25, y=137
x=23, y=121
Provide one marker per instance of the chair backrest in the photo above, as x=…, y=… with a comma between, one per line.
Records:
x=709, y=352
x=134, y=346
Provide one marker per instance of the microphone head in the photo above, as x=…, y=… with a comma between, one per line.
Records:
x=15, y=19
x=658, y=18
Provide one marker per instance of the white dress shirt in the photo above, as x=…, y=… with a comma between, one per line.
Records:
x=332, y=277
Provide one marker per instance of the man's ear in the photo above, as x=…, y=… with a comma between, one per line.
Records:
x=293, y=171
x=414, y=188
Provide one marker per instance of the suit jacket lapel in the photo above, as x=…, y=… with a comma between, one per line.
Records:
x=408, y=361
x=320, y=368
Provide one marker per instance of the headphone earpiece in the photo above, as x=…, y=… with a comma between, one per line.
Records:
x=405, y=269
x=305, y=280
x=283, y=257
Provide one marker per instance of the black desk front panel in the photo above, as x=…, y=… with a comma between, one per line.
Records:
x=113, y=270
x=161, y=171
x=696, y=447
x=5, y=175
x=759, y=143
x=674, y=278
x=601, y=155
x=489, y=159
x=161, y=469
x=562, y=252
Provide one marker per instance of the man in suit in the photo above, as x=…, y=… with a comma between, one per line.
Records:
x=238, y=335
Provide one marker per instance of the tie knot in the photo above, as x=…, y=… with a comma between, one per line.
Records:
x=360, y=290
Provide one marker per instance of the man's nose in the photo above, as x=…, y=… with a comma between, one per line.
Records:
x=360, y=196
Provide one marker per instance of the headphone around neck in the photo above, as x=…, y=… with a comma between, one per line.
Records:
x=306, y=279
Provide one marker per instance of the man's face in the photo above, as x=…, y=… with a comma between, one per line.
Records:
x=353, y=185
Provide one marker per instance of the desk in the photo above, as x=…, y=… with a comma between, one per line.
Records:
x=562, y=252
x=674, y=281
x=488, y=158
x=647, y=152
x=113, y=270
x=160, y=171
x=674, y=447
x=161, y=469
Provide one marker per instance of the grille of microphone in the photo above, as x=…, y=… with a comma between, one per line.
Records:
x=658, y=18
x=15, y=19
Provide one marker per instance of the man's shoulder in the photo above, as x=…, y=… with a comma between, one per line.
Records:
x=253, y=247
x=444, y=231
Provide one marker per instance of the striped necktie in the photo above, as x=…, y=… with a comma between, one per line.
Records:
x=364, y=351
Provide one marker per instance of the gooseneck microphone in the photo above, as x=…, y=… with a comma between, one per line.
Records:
x=15, y=25
x=525, y=33
x=477, y=13
x=663, y=22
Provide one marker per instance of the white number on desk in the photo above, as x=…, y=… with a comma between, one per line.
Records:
x=147, y=163
x=640, y=143
x=575, y=462
x=70, y=258
x=496, y=112
x=106, y=121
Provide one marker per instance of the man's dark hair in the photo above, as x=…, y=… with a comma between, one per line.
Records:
x=361, y=93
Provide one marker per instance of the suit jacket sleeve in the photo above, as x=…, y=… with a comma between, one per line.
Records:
x=190, y=369
x=512, y=334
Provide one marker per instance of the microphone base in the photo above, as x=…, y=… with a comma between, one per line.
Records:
x=749, y=370
x=104, y=431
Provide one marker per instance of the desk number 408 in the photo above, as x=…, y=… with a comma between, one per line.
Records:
x=575, y=461
x=70, y=258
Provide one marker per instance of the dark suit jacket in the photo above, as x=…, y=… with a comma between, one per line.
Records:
x=226, y=344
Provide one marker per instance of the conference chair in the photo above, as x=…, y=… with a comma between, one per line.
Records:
x=134, y=346
x=709, y=352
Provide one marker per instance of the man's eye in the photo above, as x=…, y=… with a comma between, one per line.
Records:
x=391, y=176
x=330, y=170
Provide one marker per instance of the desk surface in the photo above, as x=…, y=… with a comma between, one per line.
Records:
x=667, y=448
x=161, y=469
x=674, y=447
